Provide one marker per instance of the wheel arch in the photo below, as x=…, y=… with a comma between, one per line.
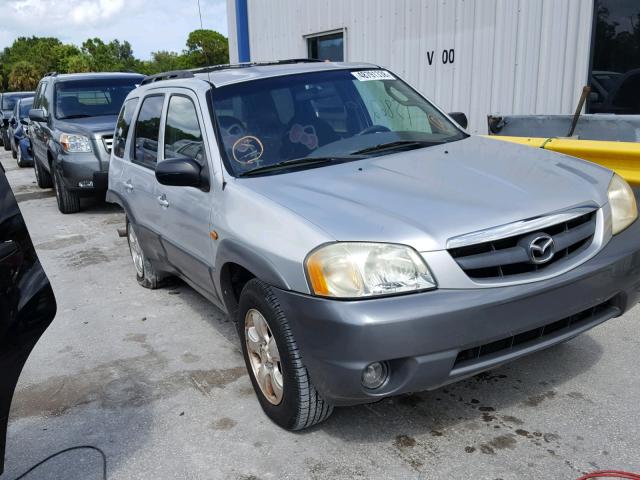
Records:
x=237, y=264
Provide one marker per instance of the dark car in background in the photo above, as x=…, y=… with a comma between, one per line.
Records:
x=72, y=123
x=7, y=104
x=19, y=130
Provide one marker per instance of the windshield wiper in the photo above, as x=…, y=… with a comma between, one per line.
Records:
x=79, y=115
x=295, y=162
x=397, y=145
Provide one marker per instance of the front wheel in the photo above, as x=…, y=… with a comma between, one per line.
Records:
x=68, y=200
x=279, y=378
x=43, y=178
x=5, y=140
x=20, y=158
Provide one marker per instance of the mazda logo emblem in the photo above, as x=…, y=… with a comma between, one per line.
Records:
x=541, y=249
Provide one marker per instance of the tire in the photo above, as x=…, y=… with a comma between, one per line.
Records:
x=68, y=200
x=14, y=154
x=145, y=273
x=43, y=178
x=19, y=160
x=5, y=140
x=299, y=404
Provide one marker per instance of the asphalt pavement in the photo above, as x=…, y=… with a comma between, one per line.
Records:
x=156, y=380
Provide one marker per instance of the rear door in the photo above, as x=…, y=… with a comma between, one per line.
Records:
x=138, y=179
x=27, y=304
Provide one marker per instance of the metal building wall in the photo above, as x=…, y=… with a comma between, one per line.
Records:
x=510, y=56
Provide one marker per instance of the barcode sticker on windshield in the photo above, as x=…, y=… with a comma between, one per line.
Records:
x=368, y=75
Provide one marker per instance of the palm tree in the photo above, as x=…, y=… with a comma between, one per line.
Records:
x=24, y=76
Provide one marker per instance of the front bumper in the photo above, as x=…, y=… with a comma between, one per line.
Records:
x=83, y=167
x=434, y=338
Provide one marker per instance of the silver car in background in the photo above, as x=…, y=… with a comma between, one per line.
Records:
x=364, y=244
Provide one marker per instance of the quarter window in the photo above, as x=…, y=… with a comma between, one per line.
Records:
x=182, y=134
x=147, y=131
x=122, y=127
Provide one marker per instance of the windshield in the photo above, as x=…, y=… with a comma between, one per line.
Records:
x=338, y=114
x=92, y=98
x=9, y=100
x=25, y=106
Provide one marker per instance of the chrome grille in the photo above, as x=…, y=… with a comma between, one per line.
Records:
x=108, y=142
x=509, y=256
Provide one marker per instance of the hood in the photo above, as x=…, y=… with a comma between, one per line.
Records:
x=92, y=125
x=424, y=197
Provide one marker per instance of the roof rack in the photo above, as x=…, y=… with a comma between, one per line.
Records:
x=214, y=68
x=158, y=77
x=51, y=74
x=228, y=66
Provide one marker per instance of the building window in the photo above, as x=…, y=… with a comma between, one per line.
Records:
x=327, y=47
x=615, y=75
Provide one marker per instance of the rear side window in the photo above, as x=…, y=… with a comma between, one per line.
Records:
x=122, y=127
x=147, y=131
x=182, y=134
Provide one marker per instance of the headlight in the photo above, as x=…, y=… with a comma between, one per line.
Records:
x=353, y=270
x=624, y=209
x=72, y=143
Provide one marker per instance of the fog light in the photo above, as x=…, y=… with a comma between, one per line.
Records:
x=374, y=375
x=85, y=184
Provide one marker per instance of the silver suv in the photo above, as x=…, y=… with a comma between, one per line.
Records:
x=364, y=244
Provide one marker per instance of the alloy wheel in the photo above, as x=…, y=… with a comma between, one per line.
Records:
x=264, y=356
x=136, y=252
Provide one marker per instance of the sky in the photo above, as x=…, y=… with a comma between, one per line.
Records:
x=148, y=25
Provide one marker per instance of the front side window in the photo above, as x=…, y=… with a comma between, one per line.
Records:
x=91, y=97
x=147, y=131
x=615, y=77
x=342, y=114
x=327, y=47
x=39, y=100
x=182, y=133
x=122, y=126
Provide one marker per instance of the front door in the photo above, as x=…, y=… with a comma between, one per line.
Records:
x=27, y=304
x=186, y=211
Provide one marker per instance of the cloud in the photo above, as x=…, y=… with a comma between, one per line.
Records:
x=148, y=26
x=96, y=11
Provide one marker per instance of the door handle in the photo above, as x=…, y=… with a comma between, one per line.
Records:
x=162, y=200
x=128, y=186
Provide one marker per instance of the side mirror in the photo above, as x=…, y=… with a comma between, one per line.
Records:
x=460, y=118
x=24, y=121
x=13, y=122
x=179, y=172
x=38, y=115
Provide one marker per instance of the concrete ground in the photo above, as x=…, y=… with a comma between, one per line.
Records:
x=156, y=380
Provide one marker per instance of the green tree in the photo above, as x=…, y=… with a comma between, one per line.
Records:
x=110, y=57
x=24, y=76
x=164, y=61
x=207, y=47
x=80, y=63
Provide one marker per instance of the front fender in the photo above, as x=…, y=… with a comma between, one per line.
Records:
x=230, y=251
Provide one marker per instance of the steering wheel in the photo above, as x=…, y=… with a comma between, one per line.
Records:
x=374, y=129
